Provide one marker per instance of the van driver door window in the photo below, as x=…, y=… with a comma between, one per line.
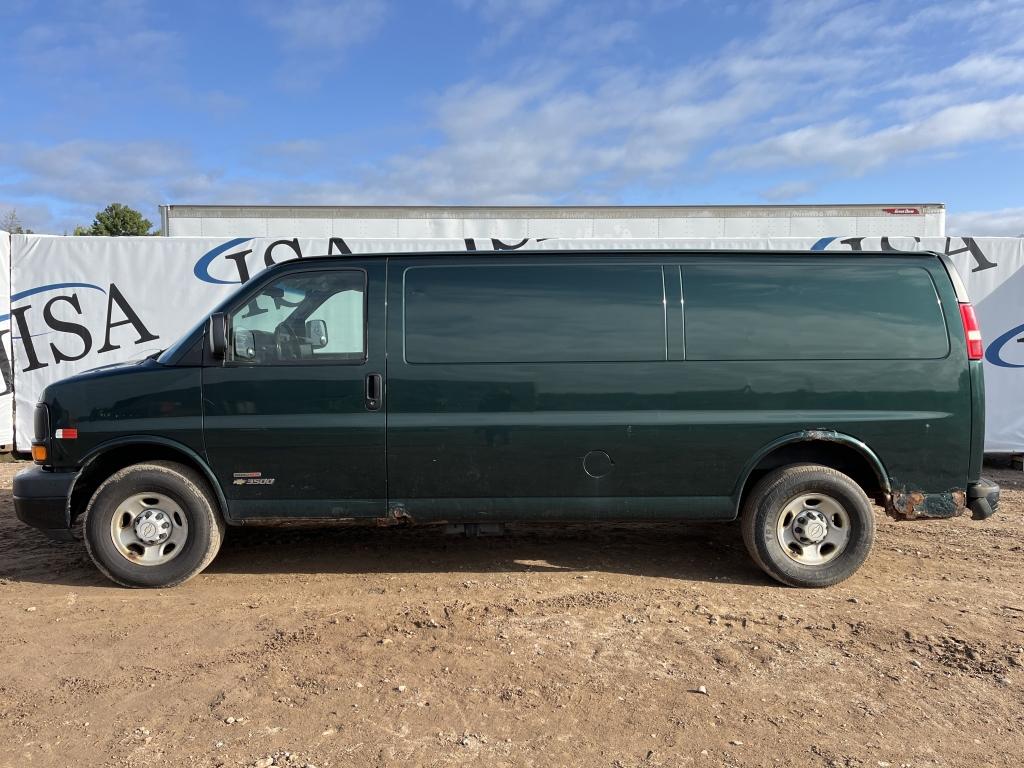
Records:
x=303, y=319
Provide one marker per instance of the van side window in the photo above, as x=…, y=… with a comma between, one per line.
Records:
x=305, y=318
x=520, y=313
x=820, y=310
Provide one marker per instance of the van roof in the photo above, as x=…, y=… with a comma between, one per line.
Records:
x=725, y=252
x=958, y=284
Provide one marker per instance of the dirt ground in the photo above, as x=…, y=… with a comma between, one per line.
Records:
x=621, y=646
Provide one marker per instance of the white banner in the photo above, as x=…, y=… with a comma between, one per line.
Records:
x=6, y=371
x=81, y=302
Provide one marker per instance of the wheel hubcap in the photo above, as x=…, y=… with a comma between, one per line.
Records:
x=153, y=526
x=813, y=529
x=149, y=529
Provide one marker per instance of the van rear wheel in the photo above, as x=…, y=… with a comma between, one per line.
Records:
x=153, y=524
x=808, y=525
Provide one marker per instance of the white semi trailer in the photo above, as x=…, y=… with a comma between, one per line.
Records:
x=514, y=223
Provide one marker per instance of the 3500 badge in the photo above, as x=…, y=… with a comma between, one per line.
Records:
x=251, y=478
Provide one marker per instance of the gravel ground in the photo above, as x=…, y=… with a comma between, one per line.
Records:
x=616, y=646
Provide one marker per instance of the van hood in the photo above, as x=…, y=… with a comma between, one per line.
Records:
x=116, y=366
x=136, y=398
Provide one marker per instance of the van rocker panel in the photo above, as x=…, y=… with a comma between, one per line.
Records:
x=573, y=509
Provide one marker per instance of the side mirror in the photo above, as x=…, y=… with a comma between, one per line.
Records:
x=245, y=345
x=316, y=332
x=217, y=335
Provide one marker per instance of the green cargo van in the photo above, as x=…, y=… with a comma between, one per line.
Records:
x=787, y=390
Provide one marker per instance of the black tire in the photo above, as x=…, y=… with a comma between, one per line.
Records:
x=186, y=488
x=767, y=501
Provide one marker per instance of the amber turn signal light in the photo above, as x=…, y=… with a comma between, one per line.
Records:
x=38, y=453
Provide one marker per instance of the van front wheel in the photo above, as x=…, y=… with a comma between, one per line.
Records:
x=153, y=524
x=808, y=525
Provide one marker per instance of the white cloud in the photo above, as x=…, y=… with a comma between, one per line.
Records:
x=851, y=145
x=316, y=35
x=85, y=175
x=509, y=10
x=1006, y=222
x=95, y=56
x=582, y=36
x=55, y=187
x=988, y=69
x=85, y=170
x=541, y=139
x=311, y=26
x=763, y=103
x=517, y=7
x=118, y=38
x=804, y=91
x=31, y=216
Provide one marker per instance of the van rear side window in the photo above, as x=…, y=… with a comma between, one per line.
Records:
x=534, y=313
x=817, y=311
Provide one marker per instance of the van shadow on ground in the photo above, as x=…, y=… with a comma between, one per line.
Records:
x=690, y=552
x=699, y=552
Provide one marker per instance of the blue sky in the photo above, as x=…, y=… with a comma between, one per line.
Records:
x=512, y=102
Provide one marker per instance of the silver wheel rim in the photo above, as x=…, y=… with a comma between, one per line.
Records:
x=813, y=529
x=149, y=529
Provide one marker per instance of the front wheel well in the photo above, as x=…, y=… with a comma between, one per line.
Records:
x=838, y=456
x=107, y=463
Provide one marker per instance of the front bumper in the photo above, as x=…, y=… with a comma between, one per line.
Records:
x=41, y=500
x=982, y=498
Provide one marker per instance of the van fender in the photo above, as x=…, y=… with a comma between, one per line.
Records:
x=811, y=436
x=102, y=449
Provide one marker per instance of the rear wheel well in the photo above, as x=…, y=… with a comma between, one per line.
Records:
x=109, y=462
x=838, y=456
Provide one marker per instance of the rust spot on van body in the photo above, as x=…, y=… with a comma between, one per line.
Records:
x=911, y=505
x=820, y=434
x=397, y=515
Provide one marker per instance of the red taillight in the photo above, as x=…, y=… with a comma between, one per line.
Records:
x=68, y=433
x=975, y=349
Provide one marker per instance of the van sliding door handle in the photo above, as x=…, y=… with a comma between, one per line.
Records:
x=374, y=391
